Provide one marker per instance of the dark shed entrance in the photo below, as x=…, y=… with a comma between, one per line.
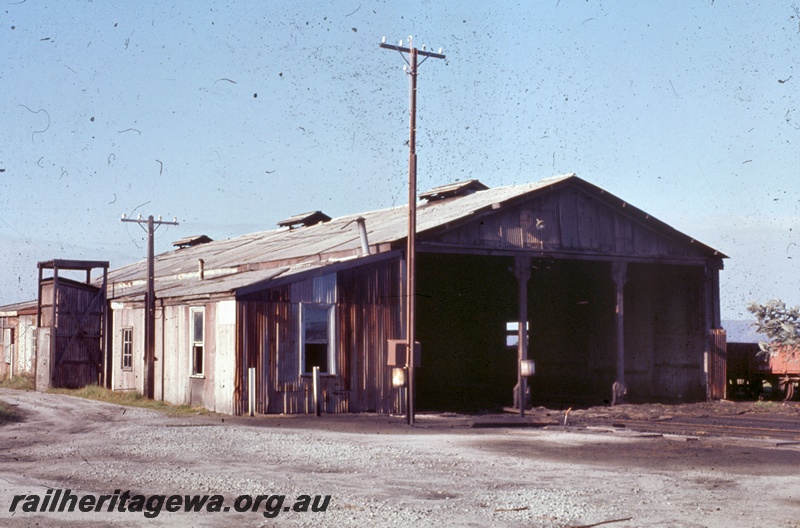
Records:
x=465, y=304
x=571, y=308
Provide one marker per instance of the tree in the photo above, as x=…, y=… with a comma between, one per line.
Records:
x=780, y=324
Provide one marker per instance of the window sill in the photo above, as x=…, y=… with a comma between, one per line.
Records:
x=197, y=376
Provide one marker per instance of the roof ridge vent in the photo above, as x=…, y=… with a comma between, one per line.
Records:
x=451, y=190
x=190, y=241
x=304, y=219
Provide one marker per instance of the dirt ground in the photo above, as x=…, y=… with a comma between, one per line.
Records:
x=448, y=470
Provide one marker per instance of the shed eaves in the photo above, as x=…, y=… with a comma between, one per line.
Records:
x=20, y=308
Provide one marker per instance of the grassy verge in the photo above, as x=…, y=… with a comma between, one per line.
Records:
x=22, y=381
x=766, y=406
x=25, y=381
x=130, y=399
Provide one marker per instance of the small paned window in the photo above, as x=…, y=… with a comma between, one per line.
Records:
x=127, y=348
x=512, y=334
x=196, y=332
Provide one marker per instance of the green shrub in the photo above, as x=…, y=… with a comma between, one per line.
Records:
x=780, y=324
x=9, y=413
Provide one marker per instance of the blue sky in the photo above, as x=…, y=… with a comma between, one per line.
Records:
x=231, y=117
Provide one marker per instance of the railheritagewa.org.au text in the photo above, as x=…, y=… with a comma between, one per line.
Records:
x=151, y=506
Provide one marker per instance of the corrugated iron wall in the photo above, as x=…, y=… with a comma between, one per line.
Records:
x=367, y=315
x=264, y=322
x=717, y=364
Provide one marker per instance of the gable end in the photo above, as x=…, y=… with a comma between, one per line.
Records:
x=570, y=219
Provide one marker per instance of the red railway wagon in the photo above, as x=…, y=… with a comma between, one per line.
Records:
x=749, y=370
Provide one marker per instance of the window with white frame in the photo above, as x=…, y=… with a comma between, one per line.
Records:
x=512, y=334
x=127, y=348
x=316, y=338
x=196, y=335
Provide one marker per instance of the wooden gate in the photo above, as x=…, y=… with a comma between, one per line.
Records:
x=716, y=364
x=75, y=314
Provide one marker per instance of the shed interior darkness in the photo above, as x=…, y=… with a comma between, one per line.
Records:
x=465, y=301
x=463, y=304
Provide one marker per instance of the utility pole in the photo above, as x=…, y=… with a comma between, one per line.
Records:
x=150, y=302
x=411, y=69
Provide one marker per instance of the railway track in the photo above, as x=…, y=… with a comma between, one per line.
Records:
x=781, y=434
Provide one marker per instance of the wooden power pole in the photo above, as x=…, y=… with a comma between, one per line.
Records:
x=411, y=69
x=150, y=303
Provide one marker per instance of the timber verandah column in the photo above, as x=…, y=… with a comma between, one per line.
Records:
x=522, y=270
x=619, y=272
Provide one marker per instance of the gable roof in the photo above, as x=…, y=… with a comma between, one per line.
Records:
x=232, y=264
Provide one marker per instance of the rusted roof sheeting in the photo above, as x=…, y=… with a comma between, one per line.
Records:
x=240, y=258
x=339, y=234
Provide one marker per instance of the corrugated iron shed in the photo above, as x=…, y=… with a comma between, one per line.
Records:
x=617, y=299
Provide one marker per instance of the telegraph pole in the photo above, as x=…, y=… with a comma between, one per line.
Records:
x=150, y=302
x=411, y=250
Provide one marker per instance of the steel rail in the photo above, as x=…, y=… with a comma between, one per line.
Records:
x=695, y=429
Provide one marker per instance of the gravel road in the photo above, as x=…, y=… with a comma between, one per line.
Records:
x=380, y=472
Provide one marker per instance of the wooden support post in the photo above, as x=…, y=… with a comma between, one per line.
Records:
x=316, y=386
x=106, y=335
x=714, y=364
x=522, y=270
x=251, y=391
x=38, y=333
x=53, y=328
x=619, y=272
x=715, y=307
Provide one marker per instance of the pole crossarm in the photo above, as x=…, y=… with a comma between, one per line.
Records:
x=408, y=50
x=144, y=221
